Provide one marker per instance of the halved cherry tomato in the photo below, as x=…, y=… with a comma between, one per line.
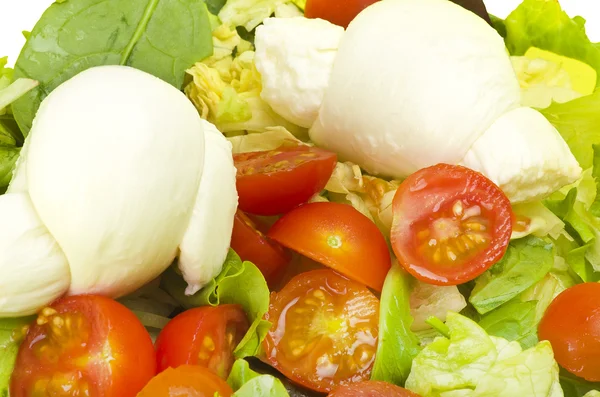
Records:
x=339, y=12
x=325, y=330
x=84, y=346
x=186, y=380
x=450, y=224
x=249, y=242
x=204, y=336
x=371, y=388
x=338, y=236
x=275, y=181
x=572, y=325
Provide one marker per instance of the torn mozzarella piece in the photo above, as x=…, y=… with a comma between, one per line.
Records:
x=294, y=57
x=33, y=269
x=524, y=155
x=206, y=242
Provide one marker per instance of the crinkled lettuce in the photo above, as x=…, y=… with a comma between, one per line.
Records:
x=543, y=24
x=248, y=13
x=239, y=283
x=11, y=329
x=470, y=363
x=247, y=383
x=225, y=87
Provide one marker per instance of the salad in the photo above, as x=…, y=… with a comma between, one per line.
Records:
x=300, y=198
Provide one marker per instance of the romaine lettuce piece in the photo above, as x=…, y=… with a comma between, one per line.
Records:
x=470, y=363
x=525, y=263
x=513, y=321
x=240, y=283
x=248, y=383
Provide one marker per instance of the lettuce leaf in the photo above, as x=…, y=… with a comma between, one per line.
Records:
x=397, y=345
x=239, y=282
x=10, y=331
x=471, y=363
x=525, y=263
x=574, y=386
x=248, y=383
x=543, y=24
x=513, y=321
x=248, y=13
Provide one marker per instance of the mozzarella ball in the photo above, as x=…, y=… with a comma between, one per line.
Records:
x=414, y=83
x=294, y=57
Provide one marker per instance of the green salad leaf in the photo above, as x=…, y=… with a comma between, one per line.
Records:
x=248, y=383
x=543, y=24
x=578, y=122
x=525, y=263
x=238, y=283
x=513, y=321
x=161, y=37
x=471, y=363
x=10, y=329
x=574, y=386
x=248, y=13
x=397, y=345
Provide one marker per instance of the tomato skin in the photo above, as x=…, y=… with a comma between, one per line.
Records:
x=200, y=336
x=338, y=236
x=450, y=224
x=371, y=388
x=90, y=343
x=186, y=380
x=339, y=12
x=275, y=181
x=249, y=242
x=325, y=330
x=572, y=325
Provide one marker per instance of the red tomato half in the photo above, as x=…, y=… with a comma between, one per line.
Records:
x=450, y=224
x=204, y=336
x=371, y=388
x=89, y=345
x=337, y=236
x=186, y=381
x=275, y=181
x=249, y=242
x=325, y=330
x=572, y=325
x=339, y=12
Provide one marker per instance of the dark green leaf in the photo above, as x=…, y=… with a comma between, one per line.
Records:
x=574, y=386
x=214, y=6
x=526, y=262
x=161, y=37
x=397, y=345
x=513, y=321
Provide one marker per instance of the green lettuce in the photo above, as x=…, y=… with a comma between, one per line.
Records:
x=397, y=345
x=574, y=386
x=525, y=263
x=513, y=321
x=248, y=13
x=248, y=383
x=239, y=283
x=225, y=87
x=470, y=363
x=543, y=24
x=541, y=221
x=10, y=331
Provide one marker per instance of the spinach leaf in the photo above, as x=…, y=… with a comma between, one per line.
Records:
x=513, y=321
x=161, y=37
x=397, y=345
x=239, y=283
x=526, y=262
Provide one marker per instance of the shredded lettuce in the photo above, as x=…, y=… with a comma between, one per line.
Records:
x=543, y=24
x=397, y=345
x=247, y=383
x=540, y=221
x=11, y=331
x=471, y=363
x=525, y=263
x=239, y=282
x=428, y=300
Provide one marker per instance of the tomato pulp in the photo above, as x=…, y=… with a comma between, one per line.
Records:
x=84, y=346
x=325, y=330
x=450, y=224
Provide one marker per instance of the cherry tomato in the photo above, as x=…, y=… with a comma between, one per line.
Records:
x=87, y=345
x=450, y=224
x=186, y=380
x=339, y=12
x=338, y=236
x=371, y=388
x=325, y=330
x=204, y=336
x=572, y=325
x=249, y=242
x=275, y=181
